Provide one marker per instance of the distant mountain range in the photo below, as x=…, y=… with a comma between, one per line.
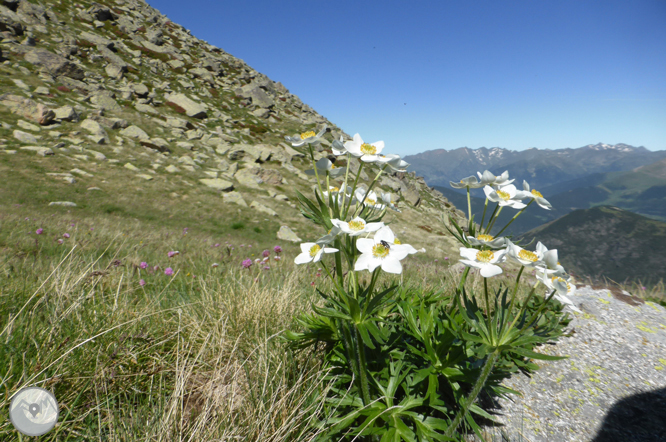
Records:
x=606, y=241
x=641, y=190
x=545, y=170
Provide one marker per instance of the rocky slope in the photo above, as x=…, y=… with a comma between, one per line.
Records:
x=112, y=98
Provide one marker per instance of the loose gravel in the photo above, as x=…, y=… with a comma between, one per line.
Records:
x=612, y=388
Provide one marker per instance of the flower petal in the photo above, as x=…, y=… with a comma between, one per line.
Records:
x=391, y=266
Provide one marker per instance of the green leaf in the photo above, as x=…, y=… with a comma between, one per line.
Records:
x=363, y=331
x=332, y=313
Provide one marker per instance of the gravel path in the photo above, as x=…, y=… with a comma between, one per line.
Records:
x=612, y=388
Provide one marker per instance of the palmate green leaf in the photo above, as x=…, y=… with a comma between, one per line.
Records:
x=311, y=211
x=331, y=313
x=376, y=302
x=403, y=430
x=365, y=336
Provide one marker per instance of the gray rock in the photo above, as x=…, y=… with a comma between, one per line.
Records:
x=28, y=126
x=66, y=113
x=411, y=193
x=140, y=89
x=286, y=234
x=176, y=64
x=145, y=176
x=96, y=39
x=146, y=108
x=271, y=176
x=24, y=137
x=62, y=203
x=179, y=123
x=235, y=198
x=185, y=145
x=42, y=90
x=54, y=64
x=127, y=25
x=203, y=74
x=96, y=130
x=115, y=71
x=258, y=96
x=10, y=22
x=261, y=208
x=99, y=156
x=248, y=178
x=158, y=144
x=171, y=169
x=130, y=166
x=39, y=150
x=134, y=132
x=192, y=109
x=104, y=101
x=217, y=183
x=27, y=108
x=261, y=113
x=155, y=36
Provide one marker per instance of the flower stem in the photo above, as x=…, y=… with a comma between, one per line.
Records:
x=488, y=324
x=494, y=219
x=469, y=206
x=351, y=197
x=492, y=215
x=360, y=206
x=485, y=206
x=362, y=368
x=514, y=217
x=487, y=369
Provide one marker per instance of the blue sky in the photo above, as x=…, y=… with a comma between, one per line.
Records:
x=426, y=75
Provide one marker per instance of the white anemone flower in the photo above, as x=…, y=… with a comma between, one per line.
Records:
x=381, y=251
x=312, y=252
x=564, y=289
x=357, y=226
x=506, y=196
x=485, y=260
x=386, y=198
x=338, y=148
x=487, y=178
x=487, y=240
x=306, y=138
x=535, y=195
x=368, y=153
x=551, y=264
x=370, y=199
x=341, y=193
x=470, y=182
x=524, y=257
x=324, y=165
x=395, y=163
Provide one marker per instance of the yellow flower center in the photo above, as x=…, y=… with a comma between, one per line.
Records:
x=527, y=255
x=396, y=241
x=308, y=134
x=380, y=251
x=559, y=278
x=484, y=237
x=335, y=189
x=485, y=256
x=314, y=250
x=356, y=225
x=333, y=166
x=504, y=195
x=368, y=149
x=370, y=201
x=536, y=193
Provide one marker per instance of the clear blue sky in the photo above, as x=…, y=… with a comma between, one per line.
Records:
x=424, y=75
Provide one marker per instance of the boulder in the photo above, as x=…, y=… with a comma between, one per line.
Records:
x=31, y=13
x=179, y=123
x=192, y=108
x=39, y=150
x=24, y=137
x=63, y=203
x=155, y=36
x=171, y=169
x=96, y=39
x=10, y=22
x=261, y=113
x=140, y=89
x=258, y=96
x=217, y=183
x=286, y=234
x=134, y=132
x=54, y=64
x=203, y=74
x=411, y=193
x=235, y=198
x=115, y=71
x=104, y=101
x=270, y=176
x=261, y=208
x=96, y=130
x=66, y=113
x=158, y=144
x=249, y=177
x=27, y=108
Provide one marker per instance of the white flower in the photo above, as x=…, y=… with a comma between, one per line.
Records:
x=324, y=165
x=386, y=198
x=357, y=226
x=524, y=257
x=342, y=194
x=306, y=138
x=370, y=199
x=338, y=147
x=367, y=153
x=552, y=265
x=394, y=162
x=487, y=240
x=484, y=260
x=535, y=195
x=312, y=252
x=487, y=178
x=470, y=182
x=563, y=286
x=506, y=196
x=381, y=251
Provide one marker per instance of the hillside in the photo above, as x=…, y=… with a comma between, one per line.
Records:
x=607, y=241
x=112, y=108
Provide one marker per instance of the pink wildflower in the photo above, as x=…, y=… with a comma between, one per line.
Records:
x=265, y=253
x=142, y=282
x=173, y=253
x=60, y=241
x=247, y=263
x=143, y=264
x=277, y=258
x=267, y=268
x=66, y=235
x=277, y=249
x=215, y=265
x=168, y=271
x=39, y=231
x=216, y=245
